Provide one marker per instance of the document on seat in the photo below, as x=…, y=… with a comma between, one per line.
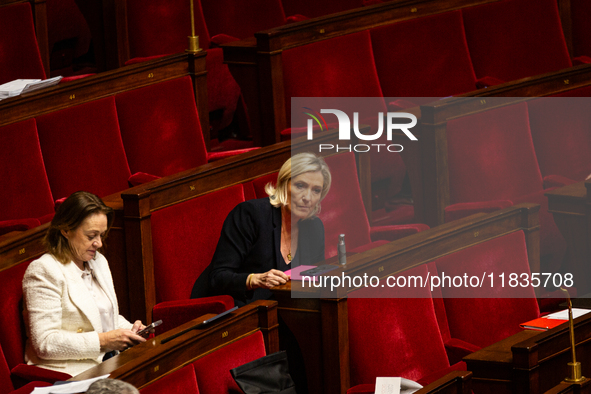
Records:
x=396, y=386
x=552, y=320
x=69, y=387
x=20, y=86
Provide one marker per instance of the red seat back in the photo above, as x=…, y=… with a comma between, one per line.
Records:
x=243, y=18
x=414, y=59
x=19, y=52
x=12, y=326
x=159, y=28
x=184, y=238
x=325, y=69
x=342, y=208
x=180, y=381
x=23, y=173
x=395, y=336
x=484, y=321
x=82, y=149
x=213, y=370
x=513, y=39
x=561, y=132
x=160, y=128
x=491, y=156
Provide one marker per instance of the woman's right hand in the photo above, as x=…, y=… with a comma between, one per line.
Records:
x=119, y=339
x=268, y=280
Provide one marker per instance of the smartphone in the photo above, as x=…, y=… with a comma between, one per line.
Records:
x=217, y=317
x=148, y=328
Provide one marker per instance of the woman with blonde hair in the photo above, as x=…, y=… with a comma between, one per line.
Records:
x=262, y=238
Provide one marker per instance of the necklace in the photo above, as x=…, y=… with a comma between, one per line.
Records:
x=289, y=255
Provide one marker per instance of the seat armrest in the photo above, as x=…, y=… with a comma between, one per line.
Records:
x=486, y=82
x=7, y=226
x=175, y=313
x=139, y=178
x=214, y=156
x=30, y=373
x=461, y=210
x=457, y=349
x=556, y=181
x=394, y=232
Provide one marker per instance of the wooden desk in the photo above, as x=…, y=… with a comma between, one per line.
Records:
x=530, y=361
x=571, y=388
x=320, y=322
x=151, y=360
x=571, y=207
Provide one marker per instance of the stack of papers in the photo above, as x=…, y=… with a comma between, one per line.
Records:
x=20, y=86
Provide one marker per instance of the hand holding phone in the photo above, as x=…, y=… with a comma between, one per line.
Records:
x=149, y=329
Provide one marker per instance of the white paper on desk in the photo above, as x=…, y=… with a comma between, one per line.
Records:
x=14, y=88
x=388, y=385
x=68, y=388
x=563, y=315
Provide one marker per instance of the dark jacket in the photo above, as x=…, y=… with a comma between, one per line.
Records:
x=250, y=242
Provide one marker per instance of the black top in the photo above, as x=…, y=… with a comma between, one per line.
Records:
x=250, y=242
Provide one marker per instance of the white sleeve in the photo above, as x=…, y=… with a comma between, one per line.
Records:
x=43, y=289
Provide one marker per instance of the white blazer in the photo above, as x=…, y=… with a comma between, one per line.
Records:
x=61, y=315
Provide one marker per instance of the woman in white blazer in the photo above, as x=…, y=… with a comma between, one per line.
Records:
x=70, y=306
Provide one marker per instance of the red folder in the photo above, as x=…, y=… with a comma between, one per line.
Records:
x=542, y=324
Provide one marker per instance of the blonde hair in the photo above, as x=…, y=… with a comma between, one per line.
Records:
x=293, y=167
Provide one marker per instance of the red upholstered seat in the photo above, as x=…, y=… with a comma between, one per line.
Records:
x=483, y=316
x=343, y=212
x=396, y=336
x=561, y=132
x=19, y=52
x=160, y=128
x=25, y=188
x=414, y=59
x=491, y=159
x=6, y=385
x=184, y=238
x=325, y=69
x=513, y=39
x=161, y=28
x=82, y=149
x=242, y=19
x=213, y=370
x=13, y=332
x=180, y=381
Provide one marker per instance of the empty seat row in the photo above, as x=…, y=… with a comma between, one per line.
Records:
x=150, y=132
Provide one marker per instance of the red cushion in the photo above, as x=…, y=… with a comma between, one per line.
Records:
x=23, y=173
x=213, y=370
x=513, y=39
x=394, y=336
x=260, y=183
x=19, y=53
x=425, y=63
x=175, y=313
x=495, y=312
x=565, y=153
x=491, y=156
x=82, y=149
x=160, y=128
x=179, y=381
x=242, y=19
x=12, y=327
x=184, y=238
